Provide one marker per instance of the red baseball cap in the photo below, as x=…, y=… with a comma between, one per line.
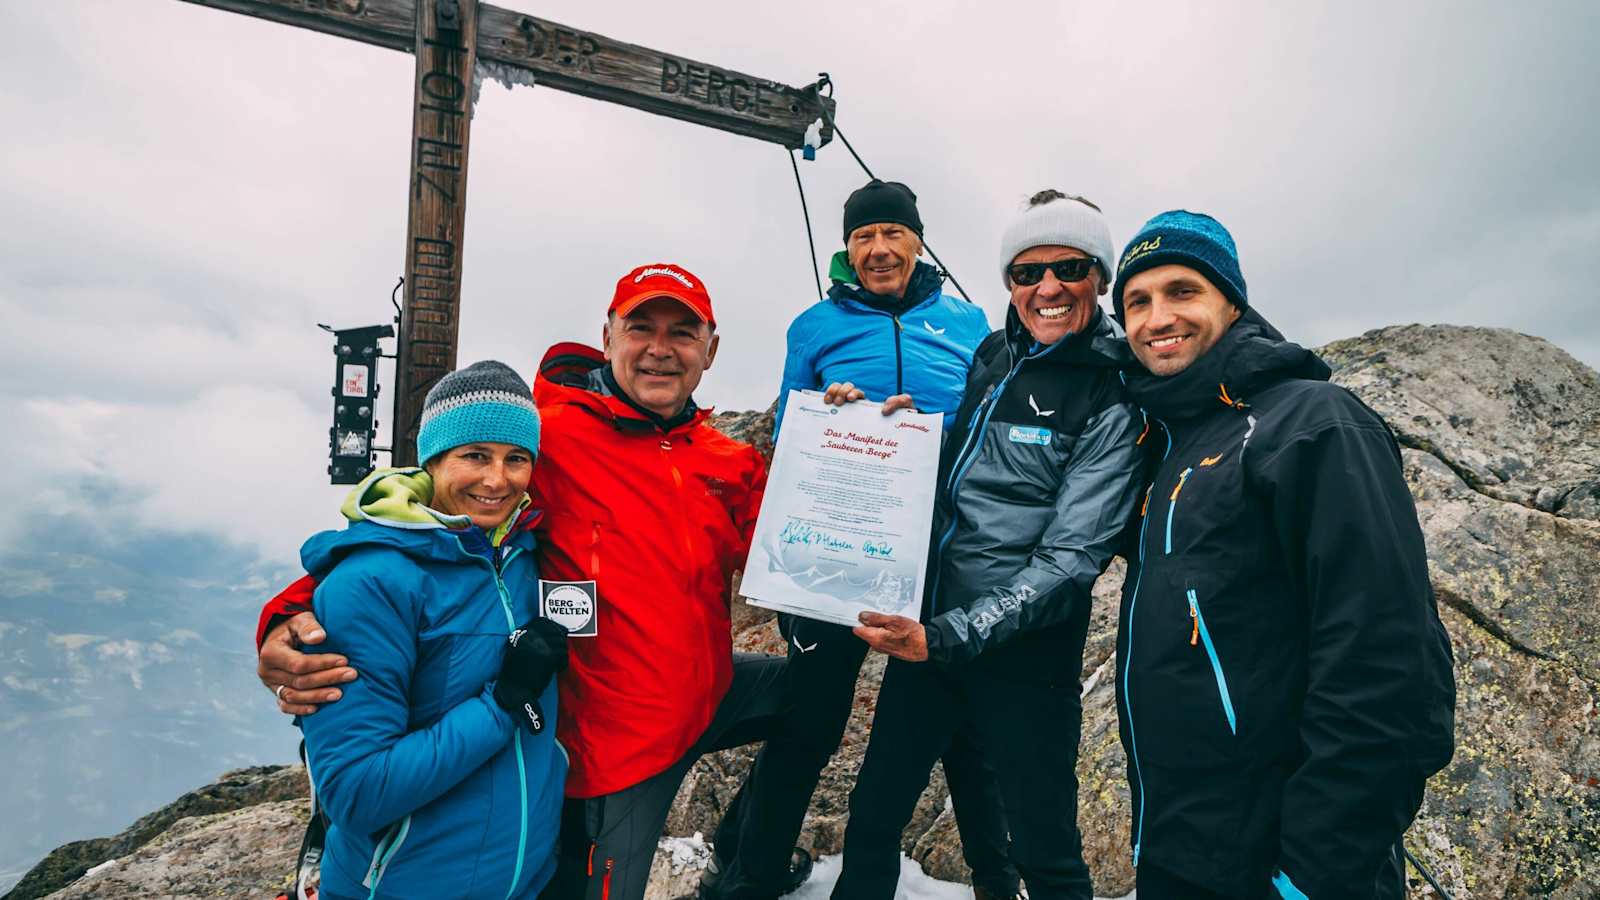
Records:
x=662, y=280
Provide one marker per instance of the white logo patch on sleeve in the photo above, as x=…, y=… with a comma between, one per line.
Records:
x=570, y=604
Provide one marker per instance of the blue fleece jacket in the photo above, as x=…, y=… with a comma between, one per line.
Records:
x=925, y=351
x=431, y=788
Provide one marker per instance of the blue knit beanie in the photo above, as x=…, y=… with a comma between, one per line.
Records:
x=486, y=401
x=1187, y=239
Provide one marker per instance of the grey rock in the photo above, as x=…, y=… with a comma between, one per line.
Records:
x=242, y=853
x=1529, y=577
x=754, y=427
x=1517, y=811
x=237, y=789
x=1503, y=452
x=1515, y=416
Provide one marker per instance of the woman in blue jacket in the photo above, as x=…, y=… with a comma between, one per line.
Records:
x=439, y=771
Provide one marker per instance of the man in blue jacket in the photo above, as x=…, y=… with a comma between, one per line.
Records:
x=885, y=329
x=886, y=326
x=1285, y=685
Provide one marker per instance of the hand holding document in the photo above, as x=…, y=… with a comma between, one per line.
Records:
x=845, y=521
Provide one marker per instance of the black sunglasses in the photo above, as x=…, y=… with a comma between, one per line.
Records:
x=1073, y=269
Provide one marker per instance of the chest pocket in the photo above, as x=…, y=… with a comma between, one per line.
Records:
x=706, y=498
x=1195, y=512
x=571, y=544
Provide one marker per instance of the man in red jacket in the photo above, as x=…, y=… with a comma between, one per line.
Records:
x=643, y=498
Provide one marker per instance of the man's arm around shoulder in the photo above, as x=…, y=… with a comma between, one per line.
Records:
x=301, y=681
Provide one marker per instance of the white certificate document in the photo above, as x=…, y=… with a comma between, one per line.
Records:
x=847, y=514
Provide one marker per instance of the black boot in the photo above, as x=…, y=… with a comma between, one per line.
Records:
x=711, y=887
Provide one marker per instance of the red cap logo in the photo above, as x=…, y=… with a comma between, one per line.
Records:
x=662, y=280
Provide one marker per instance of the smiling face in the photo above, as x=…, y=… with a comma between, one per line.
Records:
x=658, y=353
x=1174, y=315
x=483, y=481
x=1052, y=309
x=884, y=254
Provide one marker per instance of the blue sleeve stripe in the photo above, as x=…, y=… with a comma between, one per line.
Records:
x=1286, y=888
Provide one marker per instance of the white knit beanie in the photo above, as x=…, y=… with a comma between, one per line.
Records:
x=1066, y=222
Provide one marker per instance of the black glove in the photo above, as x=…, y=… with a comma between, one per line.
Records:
x=534, y=654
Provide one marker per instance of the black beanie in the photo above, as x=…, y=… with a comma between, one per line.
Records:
x=881, y=201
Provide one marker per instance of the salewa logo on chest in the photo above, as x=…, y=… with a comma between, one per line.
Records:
x=1036, y=410
x=670, y=273
x=929, y=325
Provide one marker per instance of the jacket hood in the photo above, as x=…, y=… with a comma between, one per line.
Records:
x=1099, y=344
x=398, y=498
x=923, y=287
x=1252, y=355
x=389, y=508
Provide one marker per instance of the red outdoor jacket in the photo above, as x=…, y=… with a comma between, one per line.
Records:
x=659, y=521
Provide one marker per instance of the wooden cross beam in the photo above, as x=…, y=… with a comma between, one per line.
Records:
x=450, y=38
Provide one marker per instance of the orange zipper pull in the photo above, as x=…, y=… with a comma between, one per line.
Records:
x=1194, y=624
x=1182, y=477
x=1146, y=507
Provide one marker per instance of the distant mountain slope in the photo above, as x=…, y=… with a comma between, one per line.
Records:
x=125, y=678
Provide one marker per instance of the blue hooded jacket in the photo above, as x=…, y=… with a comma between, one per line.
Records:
x=431, y=788
x=924, y=351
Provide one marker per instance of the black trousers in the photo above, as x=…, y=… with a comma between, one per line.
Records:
x=1153, y=882
x=758, y=832
x=1028, y=729
x=609, y=842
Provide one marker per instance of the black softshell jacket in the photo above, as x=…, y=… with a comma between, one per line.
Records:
x=1036, y=483
x=1285, y=684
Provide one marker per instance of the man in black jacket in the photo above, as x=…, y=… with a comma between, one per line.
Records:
x=1284, y=684
x=1037, y=480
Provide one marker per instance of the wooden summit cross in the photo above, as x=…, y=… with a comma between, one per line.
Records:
x=450, y=38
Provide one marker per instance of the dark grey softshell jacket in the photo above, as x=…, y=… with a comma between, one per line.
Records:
x=1037, y=481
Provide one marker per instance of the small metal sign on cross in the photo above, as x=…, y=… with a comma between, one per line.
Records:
x=450, y=38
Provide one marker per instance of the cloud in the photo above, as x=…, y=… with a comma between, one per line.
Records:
x=216, y=462
x=183, y=210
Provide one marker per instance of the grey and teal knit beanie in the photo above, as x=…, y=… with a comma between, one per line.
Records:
x=1187, y=239
x=486, y=401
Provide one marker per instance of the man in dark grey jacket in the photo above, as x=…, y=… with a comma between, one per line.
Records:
x=1037, y=481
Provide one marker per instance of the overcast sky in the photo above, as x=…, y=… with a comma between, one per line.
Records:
x=189, y=191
